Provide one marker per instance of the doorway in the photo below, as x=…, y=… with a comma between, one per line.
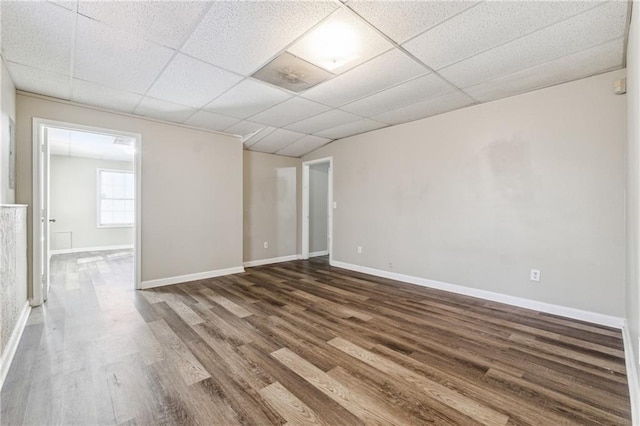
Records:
x=317, y=208
x=86, y=199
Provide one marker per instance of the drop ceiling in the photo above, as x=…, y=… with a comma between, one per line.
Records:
x=73, y=143
x=191, y=62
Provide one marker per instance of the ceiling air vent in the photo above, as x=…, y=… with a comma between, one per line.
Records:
x=291, y=73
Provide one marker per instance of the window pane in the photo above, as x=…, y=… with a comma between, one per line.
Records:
x=129, y=206
x=106, y=205
x=107, y=218
x=130, y=217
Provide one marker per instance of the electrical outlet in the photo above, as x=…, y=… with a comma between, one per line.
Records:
x=535, y=275
x=266, y=244
x=359, y=249
x=390, y=265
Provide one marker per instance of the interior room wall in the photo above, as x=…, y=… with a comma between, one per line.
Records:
x=7, y=113
x=271, y=205
x=73, y=204
x=480, y=196
x=191, y=187
x=318, y=208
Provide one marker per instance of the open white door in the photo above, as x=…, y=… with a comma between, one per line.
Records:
x=306, y=206
x=44, y=214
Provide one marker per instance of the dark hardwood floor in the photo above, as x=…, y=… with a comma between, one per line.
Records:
x=301, y=343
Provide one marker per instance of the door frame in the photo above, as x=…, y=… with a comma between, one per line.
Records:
x=37, y=211
x=305, y=206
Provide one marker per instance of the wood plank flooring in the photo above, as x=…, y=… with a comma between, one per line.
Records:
x=301, y=343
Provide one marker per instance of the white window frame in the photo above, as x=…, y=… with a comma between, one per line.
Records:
x=99, y=199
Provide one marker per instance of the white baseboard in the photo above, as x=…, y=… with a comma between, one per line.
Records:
x=594, y=317
x=319, y=253
x=272, y=260
x=83, y=249
x=632, y=374
x=12, y=344
x=191, y=277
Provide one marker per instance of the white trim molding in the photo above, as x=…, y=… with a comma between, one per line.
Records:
x=632, y=374
x=319, y=253
x=260, y=262
x=83, y=249
x=594, y=317
x=12, y=345
x=191, y=277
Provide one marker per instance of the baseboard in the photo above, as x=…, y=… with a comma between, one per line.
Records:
x=191, y=277
x=12, y=344
x=319, y=253
x=272, y=260
x=83, y=249
x=594, y=317
x=632, y=374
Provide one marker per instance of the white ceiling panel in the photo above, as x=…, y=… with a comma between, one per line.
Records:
x=115, y=58
x=488, y=25
x=350, y=129
x=290, y=111
x=582, y=64
x=73, y=143
x=303, y=146
x=243, y=128
x=242, y=36
x=256, y=137
x=276, y=140
x=379, y=73
x=211, y=121
x=401, y=20
x=591, y=28
x=38, y=81
x=426, y=108
x=323, y=121
x=403, y=94
x=37, y=34
x=191, y=82
x=247, y=98
x=163, y=110
x=359, y=45
x=163, y=22
x=88, y=93
x=72, y=5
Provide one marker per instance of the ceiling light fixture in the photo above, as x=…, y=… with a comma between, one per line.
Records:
x=332, y=45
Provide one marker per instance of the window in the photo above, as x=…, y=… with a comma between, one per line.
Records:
x=116, y=192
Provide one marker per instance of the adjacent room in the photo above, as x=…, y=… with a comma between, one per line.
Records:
x=319, y=212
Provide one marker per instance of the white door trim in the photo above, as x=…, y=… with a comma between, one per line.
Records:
x=305, y=206
x=37, y=136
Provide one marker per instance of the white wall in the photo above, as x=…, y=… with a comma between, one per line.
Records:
x=479, y=196
x=73, y=204
x=7, y=113
x=191, y=187
x=318, y=207
x=271, y=205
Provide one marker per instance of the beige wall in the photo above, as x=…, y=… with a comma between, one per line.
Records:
x=479, y=196
x=7, y=112
x=271, y=205
x=318, y=207
x=191, y=187
x=73, y=204
x=633, y=187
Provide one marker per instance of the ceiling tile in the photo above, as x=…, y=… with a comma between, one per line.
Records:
x=163, y=22
x=323, y=121
x=188, y=81
x=407, y=93
x=401, y=20
x=589, y=62
x=379, y=73
x=350, y=129
x=247, y=98
x=242, y=36
x=428, y=108
x=360, y=44
x=88, y=93
x=303, y=146
x=253, y=139
x=244, y=128
x=583, y=31
x=276, y=140
x=72, y=5
x=488, y=25
x=115, y=58
x=162, y=110
x=211, y=121
x=38, y=81
x=37, y=34
x=289, y=111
